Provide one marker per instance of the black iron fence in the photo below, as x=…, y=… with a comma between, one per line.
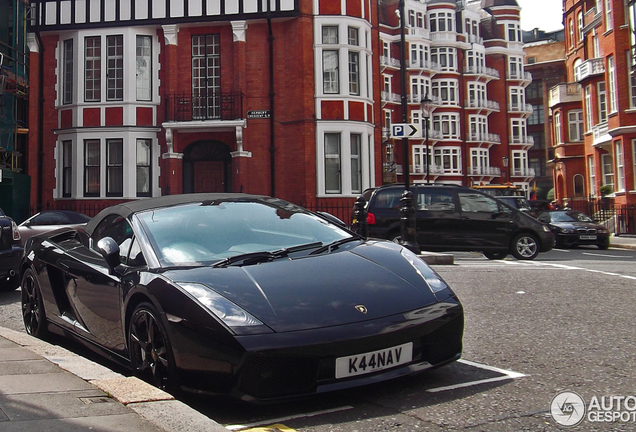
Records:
x=619, y=219
x=213, y=106
x=340, y=208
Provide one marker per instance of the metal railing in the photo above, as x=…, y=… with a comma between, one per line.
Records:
x=183, y=107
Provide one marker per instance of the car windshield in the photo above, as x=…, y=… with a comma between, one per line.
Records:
x=570, y=216
x=209, y=232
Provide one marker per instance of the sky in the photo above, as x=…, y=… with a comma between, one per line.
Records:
x=545, y=15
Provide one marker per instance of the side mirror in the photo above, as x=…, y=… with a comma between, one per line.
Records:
x=110, y=251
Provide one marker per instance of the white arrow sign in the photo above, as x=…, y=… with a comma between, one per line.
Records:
x=405, y=130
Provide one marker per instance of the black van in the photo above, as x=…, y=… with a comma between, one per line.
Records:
x=457, y=218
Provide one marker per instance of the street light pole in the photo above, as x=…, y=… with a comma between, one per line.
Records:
x=407, y=211
x=427, y=106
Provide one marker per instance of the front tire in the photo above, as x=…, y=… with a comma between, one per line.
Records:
x=33, y=313
x=525, y=247
x=151, y=354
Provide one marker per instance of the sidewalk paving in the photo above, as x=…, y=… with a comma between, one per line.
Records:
x=44, y=387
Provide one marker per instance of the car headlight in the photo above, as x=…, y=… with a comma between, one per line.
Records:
x=602, y=231
x=566, y=230
x=232, y=315
x=546, y=228
x=432, y=279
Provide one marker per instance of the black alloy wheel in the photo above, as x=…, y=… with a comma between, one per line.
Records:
x=525, y=247
x=150, y=352
x=33, y=313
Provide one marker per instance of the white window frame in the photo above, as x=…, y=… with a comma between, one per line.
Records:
x=447, y=124
x=588, y=108
x=449, y=159
x=477, y=128
x=611, y=76
x=591, y=175
x=602, y=101
x=517, y=98
x=515, y=67
x=445, y=91
x=419, y=158
x=479, y=161
x=129, y=168
x=609, y=22
x=519, y=166
x=619, y=157
x=607, y=166
x=558, y=132
x=519, y=125
x=420, y=87
x=445, y=58
x=441, y=21
x=365, y=158
x=575, y=125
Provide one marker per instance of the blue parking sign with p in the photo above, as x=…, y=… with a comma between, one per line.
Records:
x=397, y=130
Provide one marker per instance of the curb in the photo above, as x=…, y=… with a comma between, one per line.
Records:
x=157, y=407
x=432, y=258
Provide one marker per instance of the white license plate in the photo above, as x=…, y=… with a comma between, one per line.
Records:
x=587, y=237
x=361, y=364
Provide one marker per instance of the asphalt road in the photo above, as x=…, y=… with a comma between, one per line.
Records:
x=563, y=322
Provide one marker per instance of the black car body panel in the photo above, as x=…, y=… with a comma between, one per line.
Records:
x=11, y=252
x=573, y=228
x=306, y=308
x=452, y=218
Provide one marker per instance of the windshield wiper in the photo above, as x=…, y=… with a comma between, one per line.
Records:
x=246, y=258
x=334, y=245
x=263, y=256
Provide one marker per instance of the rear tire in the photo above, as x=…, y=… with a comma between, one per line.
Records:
x=495, y=255
x=525, y=247
x=33, y=313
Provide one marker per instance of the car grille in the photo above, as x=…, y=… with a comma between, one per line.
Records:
x=268, y=376
x=586, y=230
x=443, y=344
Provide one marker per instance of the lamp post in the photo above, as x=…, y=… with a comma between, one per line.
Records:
x=505, y=161
x=407, y=211
x=427, y=106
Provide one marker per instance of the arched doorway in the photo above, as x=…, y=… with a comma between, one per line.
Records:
x=207, y=167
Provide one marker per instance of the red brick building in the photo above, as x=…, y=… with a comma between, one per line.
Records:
x=594, y=128
x=148, y=98
x=468, y=58
x=293, y=98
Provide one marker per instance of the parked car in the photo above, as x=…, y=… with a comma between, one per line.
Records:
x=11, y=252
x=574, y=228
x=238, y=294
x=456, y=218
x=50, y=220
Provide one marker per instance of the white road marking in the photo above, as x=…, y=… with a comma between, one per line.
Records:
x=507, y=375
x=283, y=419
x=602, y=255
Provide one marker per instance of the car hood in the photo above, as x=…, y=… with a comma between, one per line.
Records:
x=320, y=290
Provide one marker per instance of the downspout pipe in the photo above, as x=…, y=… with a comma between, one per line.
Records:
x=40, y=175
x=272, y=123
